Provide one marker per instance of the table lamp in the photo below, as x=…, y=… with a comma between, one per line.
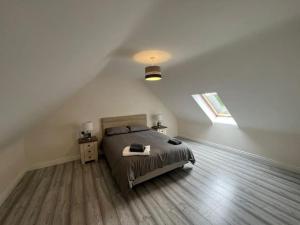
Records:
x=87, y=129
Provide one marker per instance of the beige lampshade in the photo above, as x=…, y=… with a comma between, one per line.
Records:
x=88, y=126
x=152, y=73
x=159, y=117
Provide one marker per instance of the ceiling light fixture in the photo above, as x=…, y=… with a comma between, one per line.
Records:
x=152, y=73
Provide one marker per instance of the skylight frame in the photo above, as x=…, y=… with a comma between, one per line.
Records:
x=213, y=115
x=211, y=106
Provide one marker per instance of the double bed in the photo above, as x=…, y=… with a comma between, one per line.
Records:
x=132, y=170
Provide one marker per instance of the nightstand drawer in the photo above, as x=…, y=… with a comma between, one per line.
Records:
x=90, y=146
x=90, y=151
x=90, y=156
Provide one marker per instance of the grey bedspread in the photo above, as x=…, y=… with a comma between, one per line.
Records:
x=126, y=169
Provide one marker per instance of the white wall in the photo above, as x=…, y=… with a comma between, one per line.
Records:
x=12, y=167
x=55, y=139
x=280, y=147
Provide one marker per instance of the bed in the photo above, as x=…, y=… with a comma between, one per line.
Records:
x=130, y=171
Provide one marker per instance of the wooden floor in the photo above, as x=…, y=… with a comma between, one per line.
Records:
x=221, y=188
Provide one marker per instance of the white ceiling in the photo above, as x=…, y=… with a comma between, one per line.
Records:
x=50, y=49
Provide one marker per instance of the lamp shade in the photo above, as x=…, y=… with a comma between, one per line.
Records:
x=88, y=126
x=152, y=73
x=159, y=117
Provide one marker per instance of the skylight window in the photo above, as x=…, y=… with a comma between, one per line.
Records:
x=214, y=108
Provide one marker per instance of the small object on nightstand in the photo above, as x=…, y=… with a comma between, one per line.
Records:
x=161, y=129
x=158, y=118
x=87, y=129
x=88, y=149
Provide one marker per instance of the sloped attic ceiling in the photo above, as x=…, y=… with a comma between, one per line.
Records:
x=257, y=77
x=50, y=49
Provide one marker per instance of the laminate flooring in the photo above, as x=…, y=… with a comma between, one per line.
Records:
x=221, y=188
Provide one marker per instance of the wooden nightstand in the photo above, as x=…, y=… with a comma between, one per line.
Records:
x=160, y=129
x=88, y=149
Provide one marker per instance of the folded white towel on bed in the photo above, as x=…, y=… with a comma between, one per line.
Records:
x=127, y=152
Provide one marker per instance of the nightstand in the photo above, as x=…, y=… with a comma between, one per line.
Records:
x=160, y=129
x=88, y=149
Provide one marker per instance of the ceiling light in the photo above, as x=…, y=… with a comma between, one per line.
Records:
x=152, y=73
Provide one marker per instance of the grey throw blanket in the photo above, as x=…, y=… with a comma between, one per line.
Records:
x=126, y=169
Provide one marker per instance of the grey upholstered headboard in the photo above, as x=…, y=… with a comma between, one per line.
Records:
x=140, y=119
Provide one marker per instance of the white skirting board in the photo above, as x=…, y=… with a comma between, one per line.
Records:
x=262, y=159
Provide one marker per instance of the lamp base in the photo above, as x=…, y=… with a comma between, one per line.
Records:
x=87, y=135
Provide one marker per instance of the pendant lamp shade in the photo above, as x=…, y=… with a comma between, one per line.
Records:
x=152, y=73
